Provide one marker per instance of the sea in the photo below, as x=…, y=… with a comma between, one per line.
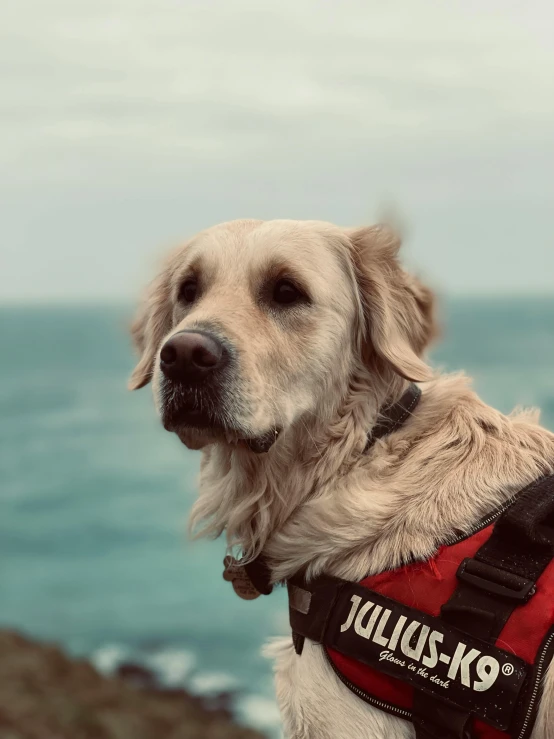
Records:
x=94, y=496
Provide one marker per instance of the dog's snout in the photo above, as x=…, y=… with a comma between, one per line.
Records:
x=189, y=356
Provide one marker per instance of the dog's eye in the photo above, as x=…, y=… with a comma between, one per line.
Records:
x=285, y=293
x=188, y=291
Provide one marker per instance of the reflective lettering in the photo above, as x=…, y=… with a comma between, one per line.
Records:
x=487, y=669
x=366, y=630
x=393, y=641
x=433, y=657
x=355, y=603
x=459, y=662
x=414, y=653
x=378, y=637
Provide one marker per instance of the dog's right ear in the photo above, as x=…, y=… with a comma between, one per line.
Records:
x=398, y=310
x=151, y=324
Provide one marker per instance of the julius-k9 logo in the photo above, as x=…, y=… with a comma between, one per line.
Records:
x=415, y=641
x=425, y=652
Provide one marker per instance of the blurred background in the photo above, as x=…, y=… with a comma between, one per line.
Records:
x=128, y=125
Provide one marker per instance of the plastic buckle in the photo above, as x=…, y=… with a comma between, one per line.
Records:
x=495, y=581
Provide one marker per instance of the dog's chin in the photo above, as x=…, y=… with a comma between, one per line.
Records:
x=196, y=430
x=196, y=439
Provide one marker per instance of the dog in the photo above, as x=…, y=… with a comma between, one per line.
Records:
x=272, y=346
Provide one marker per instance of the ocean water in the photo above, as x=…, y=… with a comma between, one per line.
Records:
x=95, y=495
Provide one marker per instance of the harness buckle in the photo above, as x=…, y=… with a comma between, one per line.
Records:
x=495, y=581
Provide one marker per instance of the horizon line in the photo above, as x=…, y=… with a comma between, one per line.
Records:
x=96, y=302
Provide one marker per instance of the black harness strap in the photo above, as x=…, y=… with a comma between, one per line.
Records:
x=523, y=540
x=499, y=578
x=310, y=609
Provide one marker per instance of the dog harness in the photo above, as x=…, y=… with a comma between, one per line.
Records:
x=458, y=644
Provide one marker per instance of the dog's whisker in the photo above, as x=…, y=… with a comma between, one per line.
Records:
x=312, y=438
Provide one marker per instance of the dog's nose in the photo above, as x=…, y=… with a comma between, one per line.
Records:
x=189, y=356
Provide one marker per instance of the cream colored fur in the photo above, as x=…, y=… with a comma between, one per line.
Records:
x=316, y=501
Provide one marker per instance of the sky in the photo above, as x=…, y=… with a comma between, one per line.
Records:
x=128, y=125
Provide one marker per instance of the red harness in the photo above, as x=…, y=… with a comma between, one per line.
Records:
x=456, y=644
x=426, y=587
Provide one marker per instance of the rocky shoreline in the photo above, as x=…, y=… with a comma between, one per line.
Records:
x=44, y=694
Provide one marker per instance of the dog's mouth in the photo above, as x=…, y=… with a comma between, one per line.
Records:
x=197, y=418
x=193, y=417
x=262, y=444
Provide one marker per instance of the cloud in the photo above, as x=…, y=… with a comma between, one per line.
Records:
x=125, y=123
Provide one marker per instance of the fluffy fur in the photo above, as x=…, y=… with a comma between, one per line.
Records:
x=315, y=502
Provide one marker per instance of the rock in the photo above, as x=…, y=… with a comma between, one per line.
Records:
x=46, y=695
x=137, y=675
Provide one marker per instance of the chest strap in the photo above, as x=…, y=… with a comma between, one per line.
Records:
x=499, y=578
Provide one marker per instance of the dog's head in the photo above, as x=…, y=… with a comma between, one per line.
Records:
x=253, y=326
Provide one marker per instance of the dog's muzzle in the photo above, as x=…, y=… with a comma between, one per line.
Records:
x=193, y=365
x=195, y=390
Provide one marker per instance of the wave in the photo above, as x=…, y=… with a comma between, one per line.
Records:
x=173, y=668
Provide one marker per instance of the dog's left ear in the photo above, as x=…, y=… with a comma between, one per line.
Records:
x=151, y=324
x=398, y=310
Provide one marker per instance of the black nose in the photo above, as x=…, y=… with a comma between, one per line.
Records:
x=189, y=356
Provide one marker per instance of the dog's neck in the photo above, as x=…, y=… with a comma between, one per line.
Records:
x=251, y=496
x=317, y=503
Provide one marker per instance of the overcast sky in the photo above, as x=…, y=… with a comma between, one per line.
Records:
x=126, y=125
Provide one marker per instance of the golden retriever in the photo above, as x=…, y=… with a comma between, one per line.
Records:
x=272, y=346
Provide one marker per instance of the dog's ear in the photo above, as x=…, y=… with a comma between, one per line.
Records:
x=151, y=324
x=398, y=310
